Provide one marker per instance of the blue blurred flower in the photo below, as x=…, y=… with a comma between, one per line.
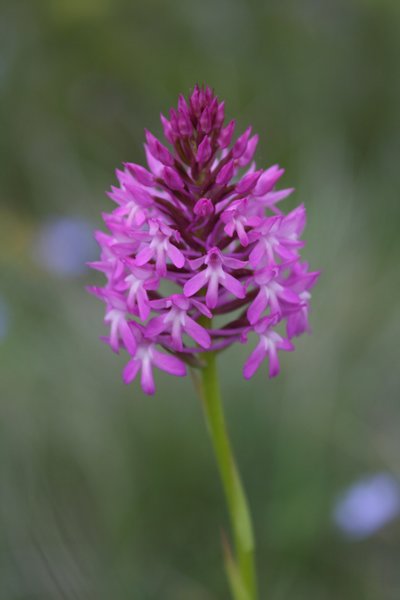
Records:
x=63, y=246
x=368, y=505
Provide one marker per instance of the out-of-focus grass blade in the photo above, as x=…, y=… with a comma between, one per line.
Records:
x=236, y=584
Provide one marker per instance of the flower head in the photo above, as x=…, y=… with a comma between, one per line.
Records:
x=201, y=217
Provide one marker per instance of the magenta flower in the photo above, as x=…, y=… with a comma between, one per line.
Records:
x=203, y=219
x=214, y=275
x=269, y=343
x=144, y=355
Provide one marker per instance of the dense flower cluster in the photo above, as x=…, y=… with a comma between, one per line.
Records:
x=196, y=235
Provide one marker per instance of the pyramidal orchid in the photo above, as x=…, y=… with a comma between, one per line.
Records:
x=201, y=218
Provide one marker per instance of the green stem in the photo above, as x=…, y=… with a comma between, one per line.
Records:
x=234, y=492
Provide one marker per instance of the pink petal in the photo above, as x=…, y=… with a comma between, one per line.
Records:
x=234, y=263
x=241, y=144
x=197, y=332
x=294, y=222
x=242, y=235
x=225, y=136
x=140, y=217
x=130, y=370
x=175, y=255
x=274, y=197
x=158, y=150
x=254, y=361
x=204, y=151
x=285, y=344
x=144, y=256
x=96, y=291
x=203, y=207
x=197, y=262
x=155, y=165
x=267, y=180
x=257, y=307
x=249, y=152
x=247, y=182
x=285, y=253
x=297, y=323
x=274, y=304
x=205, y=120
x=140, y=173
x=127, y=337
x=229, y=228
x=202, y=308
x=172, y=179
x=233, y=285
x=159, y=304
x=147, y=379
x=226, y=173
x=212, y=292
x=274, y=366
x=176, y=335
x=288, y=296
x=156, y=326
x=161, y=267
x=169, y=363
x=195, y=284
x=114, y=335
x=143, y=303
x=257, y=254
x=167, y=129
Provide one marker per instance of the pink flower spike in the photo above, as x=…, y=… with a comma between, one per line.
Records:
x=199, y=232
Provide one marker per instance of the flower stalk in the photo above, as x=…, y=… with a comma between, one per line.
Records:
x=241, y=573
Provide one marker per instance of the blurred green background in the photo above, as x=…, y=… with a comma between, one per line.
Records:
x=107, y=494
